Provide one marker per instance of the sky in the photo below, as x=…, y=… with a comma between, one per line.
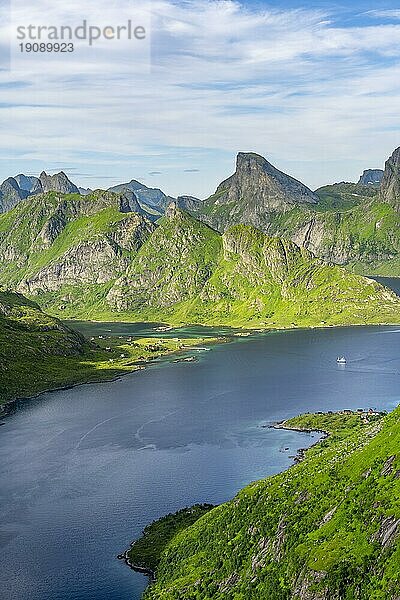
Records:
x=312, y=86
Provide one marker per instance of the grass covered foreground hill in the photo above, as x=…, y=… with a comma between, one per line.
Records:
x=326, y=529
x=38, y=352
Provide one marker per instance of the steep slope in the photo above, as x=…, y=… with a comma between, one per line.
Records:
x=10, y=194
x=36, y=351
x=172, y=267
x=52, y=241
x=254, y=194
x=371, y=177
x=187, y=272
x=390, y=186
x=349, y=224
x=327, y=529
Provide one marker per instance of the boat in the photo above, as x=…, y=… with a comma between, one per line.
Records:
x=341, y=360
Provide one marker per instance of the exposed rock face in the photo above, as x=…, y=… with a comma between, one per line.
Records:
x=371, y=177
x=189, y=203
x=148, y=197
x=85, y=191
x=388, y=531
x=55, y=183
x=97, y=252
x=10, y=194
x=390, y=186
x=187, y=266
x=341, y=223
x=26, y=182
x=253, y=194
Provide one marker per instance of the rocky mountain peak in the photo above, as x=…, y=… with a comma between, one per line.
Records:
x=26, y=182
x=371, y=177
x=253, y=194
x=276, y=188
x=10, y=194
x=58, y=182
x=390, y=186
x=172, y=211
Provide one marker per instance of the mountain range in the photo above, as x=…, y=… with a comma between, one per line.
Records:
x=346, y=223
x=261, y=251
x=351, y=224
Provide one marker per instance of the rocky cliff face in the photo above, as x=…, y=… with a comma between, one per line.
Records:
x=10, y=194
x=390, y=186
x=94, y=261
x=54, y=183
x=344, y=223
x=26, y=182
x=371, y=177
x=188, y=271
x=254, y=194
x=56, y=240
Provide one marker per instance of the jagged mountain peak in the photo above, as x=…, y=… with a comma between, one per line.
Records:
x=253, y=194
x=10, y=194
x=26, y=182
x=390, y=185
x=59, y=182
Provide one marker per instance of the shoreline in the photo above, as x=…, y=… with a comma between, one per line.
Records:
x=139, y=365
x=301, y=452
x=299, y=457
x=253, y=328
x=144, y=570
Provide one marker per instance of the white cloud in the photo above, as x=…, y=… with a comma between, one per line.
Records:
x=223, y=78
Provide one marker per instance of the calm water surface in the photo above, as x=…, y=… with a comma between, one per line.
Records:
x=82, y=471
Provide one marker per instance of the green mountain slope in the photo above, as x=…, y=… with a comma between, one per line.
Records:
x=364, y=237
x=326, y=529
x=187, y=272
x=53, y=240
x=36, y=351
x=39, y=352
x=91, y=257
x=348, y=224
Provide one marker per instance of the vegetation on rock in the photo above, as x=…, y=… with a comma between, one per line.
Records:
x=328, y=528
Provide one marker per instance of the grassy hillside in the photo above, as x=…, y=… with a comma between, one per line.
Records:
x=86, y=257
x=187, y=272
x=53, y=239
x=328, y=528
x=38, y=352
x=350, y=225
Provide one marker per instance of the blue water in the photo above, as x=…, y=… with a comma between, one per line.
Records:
x=82, y=471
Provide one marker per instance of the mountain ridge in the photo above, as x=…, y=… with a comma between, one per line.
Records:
x=90, y=256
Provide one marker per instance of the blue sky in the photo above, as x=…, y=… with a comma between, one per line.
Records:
x=314, y=87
